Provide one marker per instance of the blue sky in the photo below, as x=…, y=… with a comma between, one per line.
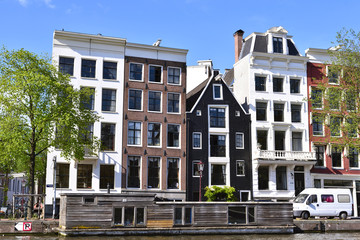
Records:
x=204, y=27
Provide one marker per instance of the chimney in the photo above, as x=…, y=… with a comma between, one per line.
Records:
x=238, y=36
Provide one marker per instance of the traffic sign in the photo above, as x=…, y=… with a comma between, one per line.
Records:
x=23, y=226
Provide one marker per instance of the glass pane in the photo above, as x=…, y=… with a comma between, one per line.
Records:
x=188, y=215
x=129, y=216
x=237, y=215
x=117, y=216
x=178, y=216
x=140, y=216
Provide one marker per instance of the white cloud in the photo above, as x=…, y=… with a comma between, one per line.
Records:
x=49, y=4
x=23, y=3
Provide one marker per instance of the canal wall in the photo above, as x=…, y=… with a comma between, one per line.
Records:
x=326, y=225
x=28, y=226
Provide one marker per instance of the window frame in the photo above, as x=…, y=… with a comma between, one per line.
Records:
x=161, y=73
x=355, y=160
x=200, y=140
x=91, y=97
x=87, y=177
x=282, y=84
x=314, y=104
x=112, y=184
x=320, y=153
x=142, y=72
x=278, y=111
x=293, y=111
x=113, y=136
x=116, y=67
x=60, y=176
x=217, y=117
x=225, y=176
x=328, y=71
x=135, y=130
x=173, y=102
x=193, y=171
x=93, y=76
x=295, y=83
x=167, y=136
x=243, y=168
x=264, y=109
x=112, y=101
x=212, y=147
x=341, y=157
x=67, y=64
x=160, y=135
x=260, y=87
x=159, y=171
x=279, y=44
x=242, y=138
x=317, y=123
x=168, y=74
x=142, y=97
x=155, y=99
x=214, y=86
x=139, y=171
x=178, y=173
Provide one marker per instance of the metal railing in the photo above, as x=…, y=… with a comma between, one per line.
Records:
x=285, y=155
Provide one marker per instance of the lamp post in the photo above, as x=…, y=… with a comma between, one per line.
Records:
x=54, y=200
x=201, y=169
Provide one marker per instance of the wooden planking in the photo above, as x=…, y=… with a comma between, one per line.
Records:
x=209, y=215
x=271, y=215
x=159, y=223
x=164, y=212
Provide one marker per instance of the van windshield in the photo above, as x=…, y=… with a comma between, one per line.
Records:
x=301, y=198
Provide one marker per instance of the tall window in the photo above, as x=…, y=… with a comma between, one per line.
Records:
x=278, y=112
x=173, y=131
x=153, y=172
x=333, y=75
x=134, y=133
x=155, y=74
x=109, y=70
x=153, y=135
x=350, y=98
x=217, y=145
x=217, y=91
x=353, y=157
x=84, y=175
x=336, y=156
x=173, y=173
x=88, y=68
x=263, y=178
x=294, y=86
x=86, y=133
x=334, y=98
x=196, y=140
x=261, y=109
x=320, y=153
x=107, y=176
x=281, y=178
x=217, y=117
x=351, y=127
x=335, y=126
x=239, y=140
x=62, y=175
x=135, y=99
x=280, y=140
x=133, y=175
x=297, y=141
x=262, y=139
x=107, y=136
x=278, y=84
x=173, y=103
x=108, y=100
x=317, y=125
x=174, y=75
x=88, y=98
x=260, y=83
x=240, y=168
x=195, y=168
x=136, y=71
x=66, y=65
x=218, y=174
x=154, y=101
x=316, y=98
x=278, y=45
x=295, y=113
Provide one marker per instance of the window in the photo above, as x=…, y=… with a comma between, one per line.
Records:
x=317, y=125
x=133, y=174
x=218, y=174
x=240, y=215
x=107, y=136
x=217, y=92
x=66, y=65
x=320, y=153
x=155, y=74
x=135, y=99
x=297, y=141
x=239, y=140
x=260, y=83
x=334, y=98
x=343, y=198
x=262, y=139
x=173, y=131
x=109, y=70
x=174, y=75
x=154, y=134
x=198, y=113
x=134, y=133
x=327, y=198
x=335, y=126
x=108, y=100
x=350, y=98
x=316, y=98
x=217, y=146
x=136, y=72
x=217, y=117
x=295, y=113
x=87, y=133
x=183, y=215
x=197, y=140
x=263, y=178
x=129, y=216
x=294, y=85
x=278, y=84
x=281, y=178
x=237, y=113
x=240, y=168
x=195, y=168
x=154, y=101
x=278, y=112
x=351, y=127
x=84, y=175
x=88, y=68
x=333, y=75
x=62, y=175
x=353, y=157
x=261, y=109
x=336, y=156
x=280, y=140
x=173, y=103
x=153, y=172
x=107, y=176
x=173, y=173
x=87, y=98
x=278, y=44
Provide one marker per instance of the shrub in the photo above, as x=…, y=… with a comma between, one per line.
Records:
x=215, y=194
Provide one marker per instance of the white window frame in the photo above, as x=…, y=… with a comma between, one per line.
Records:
x=241, y=134
x=167, y=140
x=198, y=113
x=147, y=142
x=117, y=67
x=240, y=175
x=167, y=174
x=266, y=79
x=341, y=156
x=283, y=81
x=176, y=84
x=237, y=113
x=141, y=134
x=219, y=129
x=194, y=162
x=127, y=172
x=221, y=92
x=322, y=97
x=227, y=179
x=200, y=140
x=142, y=72
x=63, y=56
x=245, y=191
x=142, y=100
x=162, y=72
x=96, y=66
x=167, y=103
x=160, y=175
x=327, y=75
x=161, y=101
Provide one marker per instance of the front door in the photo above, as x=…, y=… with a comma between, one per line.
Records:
x=299, y=183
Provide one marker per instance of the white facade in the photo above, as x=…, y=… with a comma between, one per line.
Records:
x=270, y=66
x=198, y=73
x=100, y=49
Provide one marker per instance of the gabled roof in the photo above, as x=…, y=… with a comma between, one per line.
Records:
x=229, y=77
x=193, y=95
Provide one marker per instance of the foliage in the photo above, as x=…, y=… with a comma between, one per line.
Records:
x=38, y=103
x=215, y=193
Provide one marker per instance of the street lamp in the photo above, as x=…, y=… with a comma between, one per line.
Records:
x=54, y=200
x=201, y=169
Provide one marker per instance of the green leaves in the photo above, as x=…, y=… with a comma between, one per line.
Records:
x=215, y=193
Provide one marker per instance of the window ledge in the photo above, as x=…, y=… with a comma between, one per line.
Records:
x=133, y=80
x=109, y=112
x=156, y=82
x=111, y=80
x=130, y=145
x=174, y=84
x=88, y=78
x=85, y=189
x=135, y=110
x=154, y=111
x=154, y=146
x=174, y=113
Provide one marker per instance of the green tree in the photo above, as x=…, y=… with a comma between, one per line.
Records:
x=41, y=109
x=215, y=193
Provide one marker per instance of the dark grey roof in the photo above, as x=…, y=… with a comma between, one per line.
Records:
x=246, y=48
x=229, y=77
x=194, y=94
x=292, y=49
x=261, y=43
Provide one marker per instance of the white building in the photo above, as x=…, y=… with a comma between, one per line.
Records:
x=198, y=73
x=270, y=80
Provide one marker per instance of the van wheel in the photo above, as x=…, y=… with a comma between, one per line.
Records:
x=343, y=215
x=305, y=215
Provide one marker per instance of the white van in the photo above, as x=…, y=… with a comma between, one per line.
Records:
x=323, y=202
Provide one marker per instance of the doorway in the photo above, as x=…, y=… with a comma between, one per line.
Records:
x=299, y=179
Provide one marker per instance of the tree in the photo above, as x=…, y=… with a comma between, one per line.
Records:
x=40, y=109
x=215, y=193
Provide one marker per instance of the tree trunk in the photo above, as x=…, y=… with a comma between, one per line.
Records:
x=32, y=184
x=6, y=188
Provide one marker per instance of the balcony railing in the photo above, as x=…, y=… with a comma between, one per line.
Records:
x=285, y=155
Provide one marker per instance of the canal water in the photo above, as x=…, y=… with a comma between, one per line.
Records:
x=302, y=236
